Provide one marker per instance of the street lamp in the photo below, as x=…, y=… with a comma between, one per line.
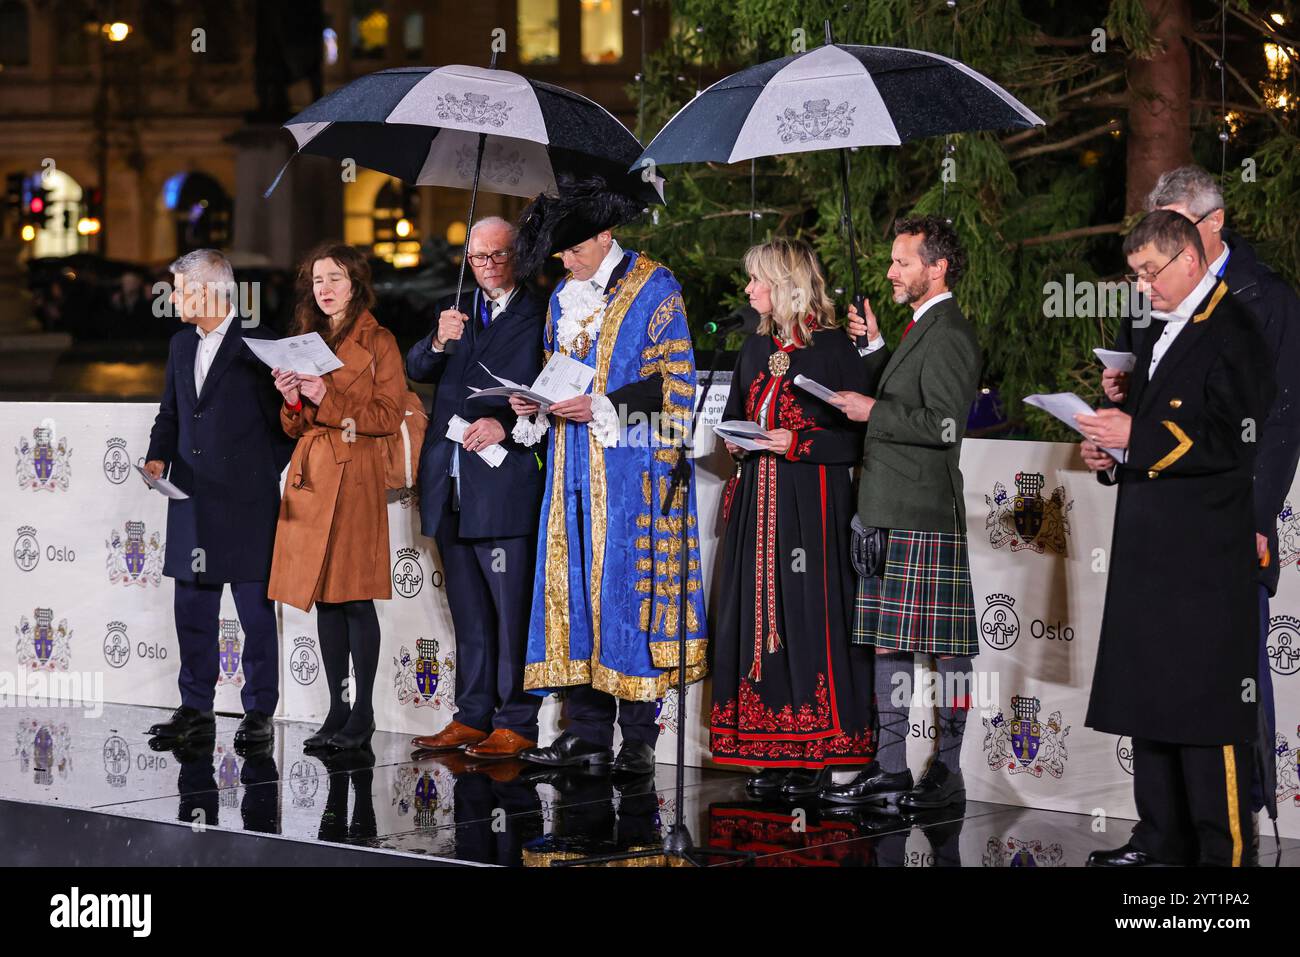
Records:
x=113, y=31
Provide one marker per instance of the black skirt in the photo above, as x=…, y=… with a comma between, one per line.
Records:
x=789, y=687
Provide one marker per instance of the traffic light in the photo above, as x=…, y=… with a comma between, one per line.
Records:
x=39, y=207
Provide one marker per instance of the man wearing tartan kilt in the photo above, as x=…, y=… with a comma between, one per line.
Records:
x=921, y=601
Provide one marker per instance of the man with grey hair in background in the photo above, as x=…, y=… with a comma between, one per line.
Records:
x=1272, y=303
x=218, y=437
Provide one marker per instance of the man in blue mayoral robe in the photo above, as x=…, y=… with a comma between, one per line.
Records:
x=606, y=612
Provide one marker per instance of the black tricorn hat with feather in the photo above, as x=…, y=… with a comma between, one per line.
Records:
x=583, y=208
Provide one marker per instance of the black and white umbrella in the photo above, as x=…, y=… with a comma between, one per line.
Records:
x=471, y=128
x=837, y=96
x=834, y=96
x=422, y=124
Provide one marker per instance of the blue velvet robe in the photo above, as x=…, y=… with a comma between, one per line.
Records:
x=607, y=588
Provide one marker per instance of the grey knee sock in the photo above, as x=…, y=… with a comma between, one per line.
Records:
x=891, y=719
x=954, y=706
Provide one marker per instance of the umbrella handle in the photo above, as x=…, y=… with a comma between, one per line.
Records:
x=847, y=216
x=450, y=345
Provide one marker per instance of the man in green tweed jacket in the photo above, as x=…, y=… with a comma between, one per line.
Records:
x=911, y=485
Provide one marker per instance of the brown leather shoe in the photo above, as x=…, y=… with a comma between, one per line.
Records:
x=500, y=744
x=450, y=738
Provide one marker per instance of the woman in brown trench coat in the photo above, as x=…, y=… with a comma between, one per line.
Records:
x=331, y=543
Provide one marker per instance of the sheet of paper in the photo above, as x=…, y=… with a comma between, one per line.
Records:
x=493, y=455
x=307, y=353
x=161, y=485
x=1065, y=406
x=1123, y=361
x=563, y=378
x=814, y=387
x=742, y=432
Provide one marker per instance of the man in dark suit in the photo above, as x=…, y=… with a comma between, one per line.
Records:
x=218, y=432
x=484, y=518
x=1177, y=665
x=1272, y=302
x=921, y=602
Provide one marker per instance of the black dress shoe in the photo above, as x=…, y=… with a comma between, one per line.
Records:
x=938, y=787
x=766, y=782
x=1126, y=856
x=344, y=740
x=256, y=727
x=186, y=723
x=802, y=783
x=567, y=751
x=634, y=760
x=872, y=786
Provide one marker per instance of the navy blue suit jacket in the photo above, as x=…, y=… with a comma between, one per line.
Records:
x=226, y=449
x=498, y=502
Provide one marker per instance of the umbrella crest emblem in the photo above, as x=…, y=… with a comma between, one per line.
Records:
x=817, y=121
x=473, y=108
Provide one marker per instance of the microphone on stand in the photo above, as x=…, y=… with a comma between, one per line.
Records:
x=746, y=318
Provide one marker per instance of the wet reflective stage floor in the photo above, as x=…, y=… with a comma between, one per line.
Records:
x=77, y=789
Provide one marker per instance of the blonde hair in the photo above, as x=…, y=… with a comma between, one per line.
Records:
x=789, y=269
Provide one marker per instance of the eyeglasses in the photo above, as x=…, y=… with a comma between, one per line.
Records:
x=498, y=257
x=1150, y=277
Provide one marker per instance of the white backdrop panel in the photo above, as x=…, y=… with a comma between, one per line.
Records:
x=82, y=594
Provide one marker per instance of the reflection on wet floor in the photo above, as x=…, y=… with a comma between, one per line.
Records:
x=511, y=814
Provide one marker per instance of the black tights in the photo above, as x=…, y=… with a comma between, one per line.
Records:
x=349, y=627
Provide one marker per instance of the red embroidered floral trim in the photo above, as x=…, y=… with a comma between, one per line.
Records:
x=754, y=716
x=791, y=414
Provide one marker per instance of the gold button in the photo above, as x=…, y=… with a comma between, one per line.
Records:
x=1175, y=403
x=1152, y=474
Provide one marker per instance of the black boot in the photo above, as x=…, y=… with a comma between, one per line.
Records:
x=767, y=782
x=803, y=782
x=569, y=750
x=186, y=722
x=872, y=786
x=346, y=740
x=938, y=787
x=332, y=629
x=363, y=645
x=256, y=728
x=1126, y=856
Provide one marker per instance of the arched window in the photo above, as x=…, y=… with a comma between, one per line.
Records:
x=200, y=210
x=59, y=235
x=395, y=224
x=15, y=42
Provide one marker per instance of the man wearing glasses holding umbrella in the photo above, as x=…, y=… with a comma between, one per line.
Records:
x=483, y=516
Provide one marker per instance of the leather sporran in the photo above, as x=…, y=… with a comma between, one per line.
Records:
x=867, y=548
